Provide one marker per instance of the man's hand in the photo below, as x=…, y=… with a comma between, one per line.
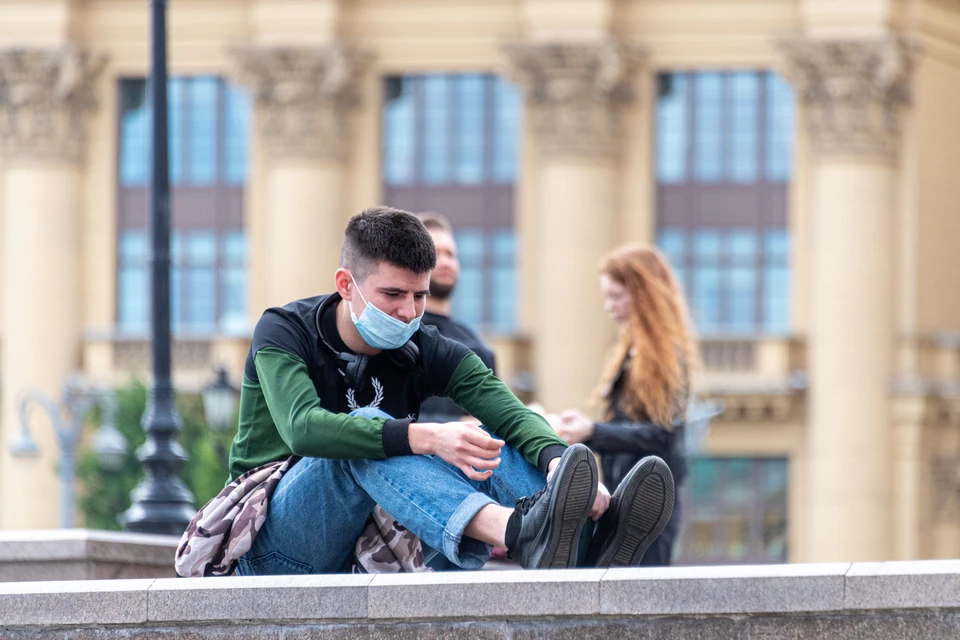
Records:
x=471, y=420
x=464, y=445
x=600, y=504
x=574, y=427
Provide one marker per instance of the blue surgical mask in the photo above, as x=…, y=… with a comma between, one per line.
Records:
x=380, y=330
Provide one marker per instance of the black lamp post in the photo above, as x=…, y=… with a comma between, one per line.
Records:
x=161, y=502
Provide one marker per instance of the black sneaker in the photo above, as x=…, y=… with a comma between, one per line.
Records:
x=639, y=510
x=552, y=519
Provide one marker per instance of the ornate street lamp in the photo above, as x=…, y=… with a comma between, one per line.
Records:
x=161, y=502
x=109, y=445
x=220, y=406
x=220, y=401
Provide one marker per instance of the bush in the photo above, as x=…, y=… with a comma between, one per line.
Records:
x=104, y=495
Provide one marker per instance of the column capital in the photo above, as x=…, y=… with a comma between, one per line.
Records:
x=854, y=90
x=578, y=90
x=44, y=94
x=304, y=96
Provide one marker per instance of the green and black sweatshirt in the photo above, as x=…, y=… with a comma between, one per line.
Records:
x=294, y=400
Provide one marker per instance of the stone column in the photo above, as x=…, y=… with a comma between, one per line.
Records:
x=576, y=91
x=303, y=98
x=852, y=90
x=44, y=94
x=909, y=411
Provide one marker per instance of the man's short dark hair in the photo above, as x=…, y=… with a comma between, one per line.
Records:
x=434, y=221
x=384, y=234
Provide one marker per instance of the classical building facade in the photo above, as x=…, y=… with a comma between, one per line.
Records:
x=795, y=159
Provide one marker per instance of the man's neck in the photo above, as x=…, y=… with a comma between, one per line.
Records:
x=438, y=306
x=348, y=332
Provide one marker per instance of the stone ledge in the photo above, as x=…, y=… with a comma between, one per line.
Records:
x=321, y=597
x=84, y=554
x=39, y=604
x=724, y=590
x=486, y=594
x=710, y=601
x=903, y=585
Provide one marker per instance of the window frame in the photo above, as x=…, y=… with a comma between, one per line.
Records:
x=485, y=207
x=757, y=513
x=217, y=207
x=691, y=205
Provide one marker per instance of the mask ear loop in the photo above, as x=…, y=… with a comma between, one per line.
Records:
x=354, y=370
x=350, y=302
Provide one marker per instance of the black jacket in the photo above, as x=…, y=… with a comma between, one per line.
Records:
x=622, y=442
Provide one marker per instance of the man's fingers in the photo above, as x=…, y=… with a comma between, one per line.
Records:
x=473, y=451
x=601, y=503
x=483, y=442
x=480, y=463
x=474, y=475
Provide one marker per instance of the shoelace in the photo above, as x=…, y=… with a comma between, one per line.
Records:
x=525, y=503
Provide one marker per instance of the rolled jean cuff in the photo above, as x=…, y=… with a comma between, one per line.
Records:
x=466, y=553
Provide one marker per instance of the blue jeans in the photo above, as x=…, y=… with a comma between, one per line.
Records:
x=320, y=507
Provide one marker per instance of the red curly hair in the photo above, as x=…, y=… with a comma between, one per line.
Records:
x=656, y=338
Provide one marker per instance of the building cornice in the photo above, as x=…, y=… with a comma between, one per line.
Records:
x=853, y=90
x=577, y=91
x=304, y=96
x=44, y=96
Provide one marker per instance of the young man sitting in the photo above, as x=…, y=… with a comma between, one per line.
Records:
x=459, y=488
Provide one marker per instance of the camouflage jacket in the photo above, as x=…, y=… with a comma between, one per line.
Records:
x=225, y=528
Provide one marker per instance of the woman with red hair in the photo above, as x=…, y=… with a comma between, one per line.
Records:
x=645, y=385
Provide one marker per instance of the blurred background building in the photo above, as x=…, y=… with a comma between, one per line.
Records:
x=795, y=159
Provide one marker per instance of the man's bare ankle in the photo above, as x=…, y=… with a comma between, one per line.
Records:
x=489, y=525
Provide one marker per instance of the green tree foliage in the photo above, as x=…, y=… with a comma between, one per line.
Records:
x=104, y=495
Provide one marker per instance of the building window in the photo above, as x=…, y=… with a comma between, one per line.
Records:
x=723, y=163
x=735, y=512
x=208, y=136
x=450, y=144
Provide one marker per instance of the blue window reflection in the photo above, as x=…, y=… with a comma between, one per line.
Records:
x=398, y=125
x=444, y=132
x=672, y=129
x=472, y=102
x=233, y=283
x=176, y=97
x=738, y=118
x=742, y=298
x=436, y=125
x=709, y=126
x=776, y=284
x=450, y=129
x=198, y=144
x=133, y=287
x=201, y=262
x=780, y=127
x=208, y=129
x=134, y=133
x=741, y=125
x=745, y=121
x=237, y=118
x=203, y=131
x=467, y=300
x=706, y=298
x=504, y=281
x=706, y=246
x=507, y=132
x=738, y=278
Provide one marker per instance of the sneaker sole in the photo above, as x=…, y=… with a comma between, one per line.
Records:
x=576, y=490
x=646, y=505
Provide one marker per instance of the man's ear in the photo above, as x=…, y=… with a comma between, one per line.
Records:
x=343, y=282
